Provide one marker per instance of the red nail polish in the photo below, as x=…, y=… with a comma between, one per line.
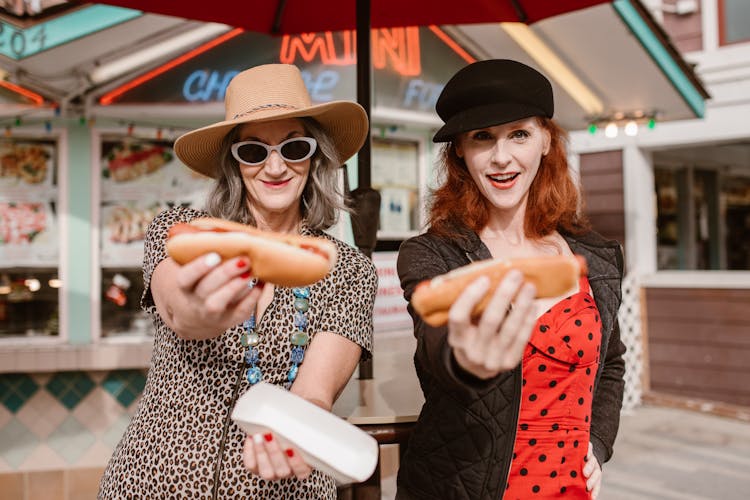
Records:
x=268, y=437
x=290, y=453
x=260, y=284
x=245, y=275
x=241, y=263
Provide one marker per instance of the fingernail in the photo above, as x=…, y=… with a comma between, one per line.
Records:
x=245, y=275
x=260, y=284
x=290, y=453
x=212, y=259
x=258, y=439
x=268, y=437
x=241, y=263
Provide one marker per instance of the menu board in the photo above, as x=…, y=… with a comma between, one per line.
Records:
x=139, y=179
x=28, y=201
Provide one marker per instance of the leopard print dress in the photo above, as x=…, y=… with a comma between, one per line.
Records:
x=181, y=442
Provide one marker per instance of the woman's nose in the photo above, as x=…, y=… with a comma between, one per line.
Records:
x=274, y=164
x=501, y=152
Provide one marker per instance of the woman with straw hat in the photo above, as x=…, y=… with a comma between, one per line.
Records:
x=275, y=161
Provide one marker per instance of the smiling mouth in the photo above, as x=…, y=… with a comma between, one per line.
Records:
x=276, y=183
x=503, y=178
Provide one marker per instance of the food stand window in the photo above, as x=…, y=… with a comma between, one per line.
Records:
x=139, y=177
x=29, y=238
x=733, y=25
x=396, y=175
x=703, y=218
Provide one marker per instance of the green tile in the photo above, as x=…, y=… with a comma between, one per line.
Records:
x=70, y=387
x=16, y=443
x=16, y=389
x=125, y=385
x=71, y=440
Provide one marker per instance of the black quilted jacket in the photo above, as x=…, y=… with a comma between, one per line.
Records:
x=462, y=444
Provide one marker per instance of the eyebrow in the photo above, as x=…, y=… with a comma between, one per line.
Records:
x=291, y=134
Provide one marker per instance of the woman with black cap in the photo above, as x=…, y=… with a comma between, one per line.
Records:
x=523, y=402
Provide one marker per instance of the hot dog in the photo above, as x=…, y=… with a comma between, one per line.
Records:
x=552, y=276
x=282, y=259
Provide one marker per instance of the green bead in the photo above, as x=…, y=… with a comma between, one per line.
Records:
x=301, y=305
x=299, y=338
x=243, y=340
x=253, y=339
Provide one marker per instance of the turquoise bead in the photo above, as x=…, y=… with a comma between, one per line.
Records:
x=254, y=375
x=301, y=305
x=299, y=338
x=292, y=373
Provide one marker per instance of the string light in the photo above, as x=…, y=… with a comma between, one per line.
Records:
x=610, y=130
x=631, y=128
x=629, y=122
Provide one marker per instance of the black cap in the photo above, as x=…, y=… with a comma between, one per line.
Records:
x=492, y=92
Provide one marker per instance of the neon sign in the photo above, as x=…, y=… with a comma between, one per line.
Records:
x=394, y=48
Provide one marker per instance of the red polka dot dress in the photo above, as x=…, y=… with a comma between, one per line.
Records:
x=559, y=366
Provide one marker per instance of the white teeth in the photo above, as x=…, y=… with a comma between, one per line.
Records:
x=502, y=177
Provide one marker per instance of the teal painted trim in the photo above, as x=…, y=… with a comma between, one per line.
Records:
x=79, y=271
x=661, y=56
x=17, y=43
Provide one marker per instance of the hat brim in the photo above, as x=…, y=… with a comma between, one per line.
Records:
x=487, y=115
x=345, y=123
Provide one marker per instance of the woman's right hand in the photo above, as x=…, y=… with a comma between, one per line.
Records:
x=495, y=342
x=211, y=295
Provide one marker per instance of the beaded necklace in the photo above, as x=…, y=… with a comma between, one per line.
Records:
x=251, y=338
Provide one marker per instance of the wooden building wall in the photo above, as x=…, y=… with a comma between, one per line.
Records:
x=602, y=186
x=699, y=343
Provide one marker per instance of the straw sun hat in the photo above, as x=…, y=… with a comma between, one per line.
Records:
x=265, y=93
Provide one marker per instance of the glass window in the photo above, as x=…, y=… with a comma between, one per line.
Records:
x=703, y=218
x=29, y=238
x=140, y=177
x=734, y=20
x=395, y=174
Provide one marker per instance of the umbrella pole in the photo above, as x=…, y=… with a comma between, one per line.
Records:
x=364, y=89
x=364, y=86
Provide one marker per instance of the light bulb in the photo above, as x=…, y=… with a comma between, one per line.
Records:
x=610, y=130
x=32, y=284
x=631, y=128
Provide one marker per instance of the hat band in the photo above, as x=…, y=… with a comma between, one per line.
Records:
x=263, y=108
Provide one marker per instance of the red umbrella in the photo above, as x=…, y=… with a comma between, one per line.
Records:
x=305, y=16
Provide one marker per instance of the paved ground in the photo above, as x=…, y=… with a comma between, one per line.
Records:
x=670, y=454
x=666, y=453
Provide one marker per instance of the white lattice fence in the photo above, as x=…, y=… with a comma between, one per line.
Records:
x=630, y=332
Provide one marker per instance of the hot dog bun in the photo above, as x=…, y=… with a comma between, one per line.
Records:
x=552, y=276
x=282, y=259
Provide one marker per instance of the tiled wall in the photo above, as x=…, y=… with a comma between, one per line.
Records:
x=66, y=420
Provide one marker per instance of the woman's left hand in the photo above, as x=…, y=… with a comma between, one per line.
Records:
x=592, y=471
x=264, y=457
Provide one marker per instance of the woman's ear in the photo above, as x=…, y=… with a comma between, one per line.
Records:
x=547, y=141
x=458, y=149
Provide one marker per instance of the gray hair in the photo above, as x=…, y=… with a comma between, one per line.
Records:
x=321, y=197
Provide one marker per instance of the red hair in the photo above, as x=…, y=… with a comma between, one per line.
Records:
x=553, y=201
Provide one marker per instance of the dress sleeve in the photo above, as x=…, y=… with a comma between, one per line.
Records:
x=349, y=310
x=154, y=247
